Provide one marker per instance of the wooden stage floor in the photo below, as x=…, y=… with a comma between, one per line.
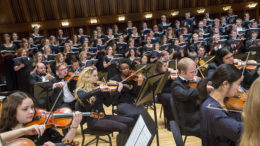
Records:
x=165, y=136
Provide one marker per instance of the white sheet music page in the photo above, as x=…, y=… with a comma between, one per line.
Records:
x=140, y=136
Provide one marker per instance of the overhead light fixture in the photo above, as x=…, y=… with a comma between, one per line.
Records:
x=225, y=8
x=147, y=16
x=121, y=18
x=252, y=5
x=93, y=20
x=175, y=13
x=200, y=11
x=36, y=25
x=65, y=23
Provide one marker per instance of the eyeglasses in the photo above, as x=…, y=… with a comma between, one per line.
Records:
x=63, y=69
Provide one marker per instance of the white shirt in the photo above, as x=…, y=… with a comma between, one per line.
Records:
x=68, y=97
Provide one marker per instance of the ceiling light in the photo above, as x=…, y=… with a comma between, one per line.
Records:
x=65, y=23
x=252, y=5
x=200, y=11
x=36, y=25
x=121, y=18
x=226, y=8
x=175, y=13
x=93, y=20
x=150, y=15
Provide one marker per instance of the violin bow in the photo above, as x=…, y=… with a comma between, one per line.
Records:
x=133, y=73
x=215, y=107
x=206, y=62
x=245, y=62
x=58, y=97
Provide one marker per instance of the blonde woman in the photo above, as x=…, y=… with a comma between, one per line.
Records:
x=251, y=132
x=91, y=99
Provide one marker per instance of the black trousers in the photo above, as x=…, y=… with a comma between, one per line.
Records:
x=164, y=99
x=113, y=123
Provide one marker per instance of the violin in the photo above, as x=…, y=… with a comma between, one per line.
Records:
x=250, y=65
x=203, y=65
x=236, y=102
x=28, y=142
x=61, y=118
x=134, y=75
x=193, y=83
x=75, y=76
x=113, y=85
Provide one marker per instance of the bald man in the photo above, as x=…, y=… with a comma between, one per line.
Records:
x=40, y=75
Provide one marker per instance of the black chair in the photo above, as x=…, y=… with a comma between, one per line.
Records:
x=96, y=133
x=176, y=127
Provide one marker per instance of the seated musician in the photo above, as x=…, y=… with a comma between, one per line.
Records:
x=40, y=74
x=223, y=56
x=74, y=66
x=19, y=109
x=185, y=98
x=91, y=99
x=219, y=126
x=58, y=85
x=165, y=96
x=126, y=98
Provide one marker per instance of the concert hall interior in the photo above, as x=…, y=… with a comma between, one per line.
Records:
x=130, y=72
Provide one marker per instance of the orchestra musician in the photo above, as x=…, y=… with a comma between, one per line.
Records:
x=219, y=126
x=19, y=109
x=91, y=99
x=186, y=98
x=58, y=84
x=125, y=99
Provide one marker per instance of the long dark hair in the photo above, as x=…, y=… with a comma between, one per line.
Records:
x=225, y=72
x=220, y=54
x=8, y=115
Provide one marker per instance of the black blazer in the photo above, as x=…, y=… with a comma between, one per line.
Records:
x=185, y=99
x=56, y=91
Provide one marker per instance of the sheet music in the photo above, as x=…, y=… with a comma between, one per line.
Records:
x=140, y=135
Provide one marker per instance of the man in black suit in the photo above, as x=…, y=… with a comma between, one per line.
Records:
x=185, y=98
x=40, y=75
x=58, y=85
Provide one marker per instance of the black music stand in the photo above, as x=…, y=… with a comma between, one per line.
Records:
x=153, y=86
x=42, y=90
x=143, y=131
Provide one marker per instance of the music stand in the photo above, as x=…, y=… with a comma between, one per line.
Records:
x=153, y=85
x=42, y=90
x=143, y=131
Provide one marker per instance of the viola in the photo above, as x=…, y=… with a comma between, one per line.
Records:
x=113, y=85
x=203, y=66
x=250, y=65
x=28, y=142
x=193, y=83
x=72, y=75
x=21, y=142
x=236, y=102
x=134, y=76
x=61, y=118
